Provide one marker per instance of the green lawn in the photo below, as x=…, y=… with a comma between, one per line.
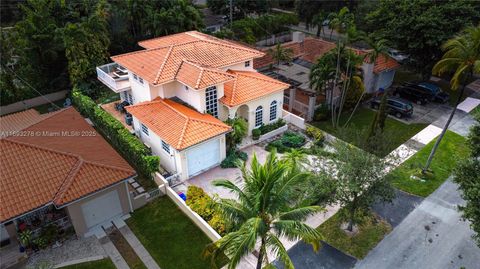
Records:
x=104, y=264
x=370, y=233
x=172, y=239
x=452, y=148
x=363, y=119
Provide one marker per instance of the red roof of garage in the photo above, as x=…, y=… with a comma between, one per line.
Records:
x=53, y=158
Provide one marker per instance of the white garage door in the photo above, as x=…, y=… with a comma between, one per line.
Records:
x=102, y=209
x=203, y=157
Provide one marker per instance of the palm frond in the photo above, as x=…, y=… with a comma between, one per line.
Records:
x=277, y=247
x=300, y=214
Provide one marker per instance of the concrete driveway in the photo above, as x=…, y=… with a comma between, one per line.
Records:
x=432, y=236
x=204, y=180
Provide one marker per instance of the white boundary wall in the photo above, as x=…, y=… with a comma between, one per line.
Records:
x=33, y=102
x=293, y=119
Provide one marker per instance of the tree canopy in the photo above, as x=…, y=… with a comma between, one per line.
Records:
x=420, y=27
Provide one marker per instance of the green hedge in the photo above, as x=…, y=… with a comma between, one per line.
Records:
x=266, y=128
x=132, y=149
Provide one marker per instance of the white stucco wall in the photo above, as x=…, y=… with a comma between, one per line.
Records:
x=240, y=66
x=252, y=106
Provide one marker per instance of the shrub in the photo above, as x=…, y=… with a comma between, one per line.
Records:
x=293, y=140
x=286, y=142
x=256, y=134
x=272, y=126
x=205, y=207
x=232, y=159
x=321, y=113
x=316, y=134
x=132, y=149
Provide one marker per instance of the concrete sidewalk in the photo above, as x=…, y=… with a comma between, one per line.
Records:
x=137, y=246
x=113, y=253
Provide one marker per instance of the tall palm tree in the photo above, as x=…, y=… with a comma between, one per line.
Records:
x=318, y=20
x=462, y=58
x=378, y=48
x=263, y=213
x=280, y=54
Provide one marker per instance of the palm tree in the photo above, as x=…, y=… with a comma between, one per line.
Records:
x=263, y=213
x=318, y=20
x=280, y=54
x=378, y=47
x=239, y=131
x=462, y=58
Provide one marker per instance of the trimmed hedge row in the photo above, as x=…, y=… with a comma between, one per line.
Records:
x=132, y=149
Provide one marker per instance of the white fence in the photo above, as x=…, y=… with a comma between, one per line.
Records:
x=293, y=119
x=33, y=102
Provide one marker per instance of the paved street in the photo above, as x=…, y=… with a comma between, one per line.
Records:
x=432, y=236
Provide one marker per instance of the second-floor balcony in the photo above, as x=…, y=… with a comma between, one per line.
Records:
x=114, y=76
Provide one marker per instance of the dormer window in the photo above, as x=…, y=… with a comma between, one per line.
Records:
x=247, y=63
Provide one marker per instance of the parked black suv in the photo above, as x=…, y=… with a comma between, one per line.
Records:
x=418, y=95
x=437, y=94
x=396, y=106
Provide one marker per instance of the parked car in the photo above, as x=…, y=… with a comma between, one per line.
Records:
x=398, y=107
x=415, y=94
x=398, y=56
x=437, y=94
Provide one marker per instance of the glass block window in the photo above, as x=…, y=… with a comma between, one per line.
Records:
x=258, y=116
x=247, y=63
x=145, y=129
x=166, y=147
x=273, y=111
x=211, y=101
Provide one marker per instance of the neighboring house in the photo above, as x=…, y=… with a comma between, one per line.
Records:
x=300, y=98
x=56, y=169
x=213, y=22
x=182, y=87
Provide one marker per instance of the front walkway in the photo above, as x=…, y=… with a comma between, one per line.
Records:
x=139, y=249
x=431, y=236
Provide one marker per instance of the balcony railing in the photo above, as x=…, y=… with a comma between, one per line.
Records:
x=114, y=76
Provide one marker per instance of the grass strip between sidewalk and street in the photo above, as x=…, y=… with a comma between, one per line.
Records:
x=452, y=148
x=370, y=232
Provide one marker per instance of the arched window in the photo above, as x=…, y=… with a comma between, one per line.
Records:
x=258, y=116
x=273, y=111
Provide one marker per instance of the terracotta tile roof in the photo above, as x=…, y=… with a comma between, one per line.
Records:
x=200, y=77
x=190, y=127
x=159, y=65
x=49, y=166
x=18, y=121
x=249, y=85
x=313, y=48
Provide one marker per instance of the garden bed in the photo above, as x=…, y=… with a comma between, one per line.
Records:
x=286, y=142
x=104, y=264
x=452, y=149
x=370, y=232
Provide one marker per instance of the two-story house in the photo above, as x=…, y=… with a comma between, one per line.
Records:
x=183, y=87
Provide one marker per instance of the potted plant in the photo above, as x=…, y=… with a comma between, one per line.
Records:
x=25, y=238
